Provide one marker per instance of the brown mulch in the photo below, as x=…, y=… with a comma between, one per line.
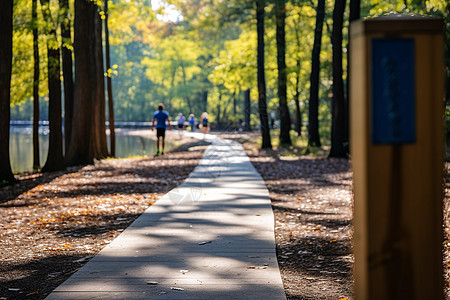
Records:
x=51, y=224
x=313, y=207
x=312, y=203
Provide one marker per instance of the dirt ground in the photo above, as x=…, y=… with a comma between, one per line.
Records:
x=52, y=224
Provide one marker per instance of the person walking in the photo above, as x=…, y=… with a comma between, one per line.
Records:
x=192, y=122
x=160, y=117
x=181, y=120
x=205, y=122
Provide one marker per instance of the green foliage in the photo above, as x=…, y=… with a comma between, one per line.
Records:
x=210, y=49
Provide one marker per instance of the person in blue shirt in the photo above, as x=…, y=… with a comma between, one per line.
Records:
x=181, y=120
x=205, y=122
x=160, y=117
x=192, y=122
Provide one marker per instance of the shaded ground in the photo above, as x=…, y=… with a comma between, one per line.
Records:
x=51, y=224
x=311, y=200
x=312, y=203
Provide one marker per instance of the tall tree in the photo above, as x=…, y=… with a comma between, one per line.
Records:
x=67, y=67
x=79, y=151
x=94, y=82
x=247, y=110
x=313, y=114
x=55, y=159
x=355, y=14
x=338, y=106
x=100, y=99
x=6, y=33
x=36, y=75
x=262, y=101
x=112, y=127
x=285, y=119
x=205, y=100
x=298, y=113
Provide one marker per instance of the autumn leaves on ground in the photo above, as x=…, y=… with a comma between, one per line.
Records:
x=51, y=224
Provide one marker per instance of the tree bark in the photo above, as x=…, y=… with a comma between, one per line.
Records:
x=247, y=111
x=36, y=75
x=55, y=158
x=218, y=118
x=112, y=127
x=262, y=101
x=338, y=106
x=100, y=86
x=205, y=101
x=67, y=67
x=355, y=14
x=285, y=119
x=6, y=30
x=313, y=114
x=298, y=112
x=93, y=68
x=79, y=150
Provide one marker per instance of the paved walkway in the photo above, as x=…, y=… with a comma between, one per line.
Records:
x=210, y=238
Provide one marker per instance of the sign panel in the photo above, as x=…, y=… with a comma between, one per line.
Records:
x=393, y=96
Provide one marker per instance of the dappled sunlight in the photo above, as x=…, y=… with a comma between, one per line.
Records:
x=217, y=240
x=71, y=215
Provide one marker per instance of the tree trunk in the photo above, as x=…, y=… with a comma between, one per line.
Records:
x=235, y=102
x=79, y=150
x=313, y=118
x=100, y=87
x=218, y=118
x=262, y=101
x=36, y=158
x=55, y=159
x=6, y=30
x=298, y=113
x=355, y=14
x=205, y=101
x=247, y=111
x=112, y=127
x=67, y=66
x=338, y=107
x=285, y=119
x=93, y=68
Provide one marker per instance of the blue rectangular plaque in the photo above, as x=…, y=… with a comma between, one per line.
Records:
x=393, y=95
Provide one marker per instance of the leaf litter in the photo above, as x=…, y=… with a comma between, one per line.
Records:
x=52, y=223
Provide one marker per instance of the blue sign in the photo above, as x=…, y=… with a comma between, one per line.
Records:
x=393, y=95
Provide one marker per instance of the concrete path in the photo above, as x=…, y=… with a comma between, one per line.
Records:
x=210, y=238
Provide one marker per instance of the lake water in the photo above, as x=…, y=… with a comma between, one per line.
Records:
x=21, y=146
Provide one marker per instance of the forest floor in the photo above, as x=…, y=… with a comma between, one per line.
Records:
x=51, y=224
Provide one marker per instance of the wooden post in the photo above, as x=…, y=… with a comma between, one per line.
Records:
x=397, y=148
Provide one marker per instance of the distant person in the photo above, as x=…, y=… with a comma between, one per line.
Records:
x=192, y=122
x=240, y=128
x=181, y=120
x=205, y=122
x=161, y=117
